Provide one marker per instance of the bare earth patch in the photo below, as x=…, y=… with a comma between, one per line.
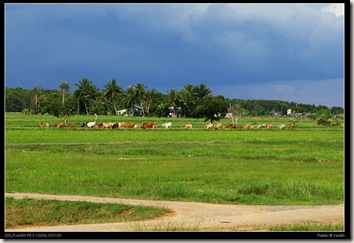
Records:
x=203, y=216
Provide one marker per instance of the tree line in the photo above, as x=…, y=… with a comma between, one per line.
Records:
x=194, y=101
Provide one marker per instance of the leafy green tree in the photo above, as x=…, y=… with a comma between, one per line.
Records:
x=324, y=117
x=212, y=108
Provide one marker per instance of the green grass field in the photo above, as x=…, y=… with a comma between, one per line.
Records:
x=303, y=166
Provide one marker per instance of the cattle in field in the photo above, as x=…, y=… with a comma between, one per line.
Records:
x=291, y=125
x=269, y=125
x=130, y=125
x=47, y=124
x=59, y=124
x=115, y=125
x=258, y=126
x=167, y=125
x=185, y=126
x=218, y=125
x=71, y=125
x=149, y=125
x=233, y=126
x=247, y=126
x=281, y=126
x=40, y=124
x=208, y=126
x=106, y=124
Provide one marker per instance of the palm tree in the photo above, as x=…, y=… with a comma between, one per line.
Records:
x=140, y=93
x=185, y=96
x=64, y=87
x=201, y=91
x=172, y=98
x=112, y=92
x=86, y=92
x=150, y=98
x=37, y=97
x=129, y=98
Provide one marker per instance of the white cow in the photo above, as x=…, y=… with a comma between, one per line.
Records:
x=167, y=125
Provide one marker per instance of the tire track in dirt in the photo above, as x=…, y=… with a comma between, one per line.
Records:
x=194, y=215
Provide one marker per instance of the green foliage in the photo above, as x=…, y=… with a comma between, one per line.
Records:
x=325, y=118
x=211, y=107
x=187, y=102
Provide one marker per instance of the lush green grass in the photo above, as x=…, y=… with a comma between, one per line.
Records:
x=303, y=166
x=31, y=212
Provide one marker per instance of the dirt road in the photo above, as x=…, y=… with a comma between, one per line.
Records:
x=202, y=216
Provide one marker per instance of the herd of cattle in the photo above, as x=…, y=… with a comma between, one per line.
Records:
x=168, y=125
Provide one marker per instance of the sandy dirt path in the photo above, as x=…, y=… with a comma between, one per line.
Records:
x=203, y=216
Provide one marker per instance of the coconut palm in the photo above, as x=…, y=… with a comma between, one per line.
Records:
x=112, y=92
x=86, y=93
x=186, y=97
x=38, y=96
x=150, y=97
x=140, y=93
x=129, y=98
x=64, y=87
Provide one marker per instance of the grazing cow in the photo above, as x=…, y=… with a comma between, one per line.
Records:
x=84, y=124
x=247, y=126
x=71, y=125
x=291, y=125
x=59, y=124
x=269, y=125
x=106, y=124
x=281, y=126
x=208, y=126
x=40, y=124
x=219, y=125
x=259, y=126
x=115, y=125
x=47, y=124
x=185, y=126
x=167, y=125
x=232, y=126
x=130, y=125
x=149, y=125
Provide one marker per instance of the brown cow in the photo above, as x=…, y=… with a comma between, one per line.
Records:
x=232, y=126
x=281, y=126
x=71, y=125
x=59, y=124
x=247, y=126
x=185, y=126
x=291, y=125
x=40, y=124
x=269, y=125
x=149, y=125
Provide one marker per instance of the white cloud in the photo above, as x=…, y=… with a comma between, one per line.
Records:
x=337, y=9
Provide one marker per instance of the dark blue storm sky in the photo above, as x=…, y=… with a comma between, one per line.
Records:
x=291, y=52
